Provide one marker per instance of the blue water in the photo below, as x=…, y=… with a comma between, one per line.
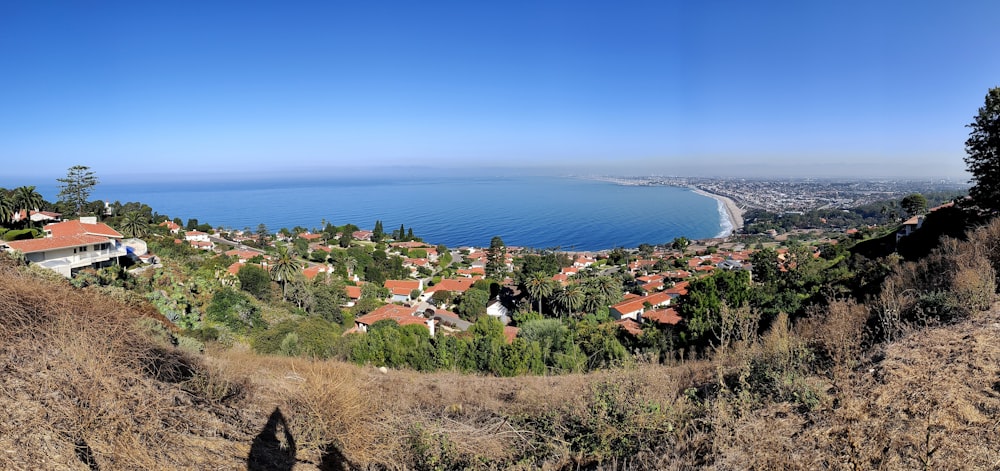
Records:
x=542, y=212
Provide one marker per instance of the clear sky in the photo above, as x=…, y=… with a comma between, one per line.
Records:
x=805, y=88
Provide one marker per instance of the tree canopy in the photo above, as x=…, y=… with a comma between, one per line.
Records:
x=74, y=190
x=983, y=149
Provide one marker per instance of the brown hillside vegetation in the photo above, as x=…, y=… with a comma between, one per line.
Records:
x=84, y=384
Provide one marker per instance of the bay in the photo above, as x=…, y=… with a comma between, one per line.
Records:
x=541, y=212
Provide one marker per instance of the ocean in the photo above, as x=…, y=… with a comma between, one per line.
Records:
x=540, y=212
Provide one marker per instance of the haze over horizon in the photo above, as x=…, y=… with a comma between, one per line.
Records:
x=793, y=89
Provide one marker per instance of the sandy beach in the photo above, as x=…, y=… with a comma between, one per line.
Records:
x=732, y=210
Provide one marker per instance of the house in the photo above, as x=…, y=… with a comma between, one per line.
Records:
x=630, y=326
x=362, y=235
x=402, y=315
x=909, y=226
x=311, y=272
x=399, y=290
x=353, y=294
x=310, y=236
x=662, y=317
x=452, y=285
x=242, y=255
x=196, y=236
x=171, y=226
x=72, y=245
x=199, y=240
x=495, y=308
x=633, y=307
x=37, y=216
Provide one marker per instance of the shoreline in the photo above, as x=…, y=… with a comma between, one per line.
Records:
x=733, y=212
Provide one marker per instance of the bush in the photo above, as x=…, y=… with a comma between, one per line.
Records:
x=255, y=280
x=20, y=234
x=312, y=337
x=234, y=310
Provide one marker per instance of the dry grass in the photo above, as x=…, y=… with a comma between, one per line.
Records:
x=81, y=383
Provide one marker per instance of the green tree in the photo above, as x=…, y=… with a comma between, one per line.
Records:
x=233, y=309
x=983, y=153
x=75, y=189
x=571, y=297
x=378, y=233
x=496, y=259
x=914, y=204
x=262, y=235
x=6, y=207
x=680, y=243
x=26, y=199
x=283, y=268
x=254, y=280
x=539, y=286
x=472, y=305
x=134, y=224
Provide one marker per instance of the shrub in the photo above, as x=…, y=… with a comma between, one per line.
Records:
x=20, y=234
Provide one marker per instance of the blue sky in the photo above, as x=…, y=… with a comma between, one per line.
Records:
x=799, y=88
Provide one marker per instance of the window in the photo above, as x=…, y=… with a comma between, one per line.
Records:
x=83, y=249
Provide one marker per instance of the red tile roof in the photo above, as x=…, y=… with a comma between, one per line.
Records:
x=75, y=227
x=308, y=236
x=630, y=326
x=402, y=287
x=55, y=242
x=401, y=314
x=662, y=316
x=510, y=333
x=454, y=285
x=311, y=272
x=353, y=292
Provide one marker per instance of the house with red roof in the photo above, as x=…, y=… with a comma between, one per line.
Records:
x=402, y=315
x=630, y=326
x=633, y=307
x=353, y=294
x=452, y=285
x=72, y=245
x=311, y=272
x=362, y=235
x=171, y=226
x=310, y=236
x=400, y=289
x=662, y=317
x=36, y=216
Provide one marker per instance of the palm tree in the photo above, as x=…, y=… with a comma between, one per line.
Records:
x=27, y=199
x=571, y=297
x=608, y=288
x=284, y=267
x=134, y=225
x=6, y=208
x=350, y=263
x=539, y=286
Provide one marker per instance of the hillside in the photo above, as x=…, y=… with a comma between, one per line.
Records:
x=86, y=384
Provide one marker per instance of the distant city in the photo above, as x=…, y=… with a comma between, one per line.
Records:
x=797, y=194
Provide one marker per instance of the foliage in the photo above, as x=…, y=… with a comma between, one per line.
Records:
x=234, y=310
x=134, y=224
x=983, y=153
x=311, y=337
x=20, y=234
x=472, y=304
x=496, y=259
x=255, y=280
x=75, y=188
x=914, y=204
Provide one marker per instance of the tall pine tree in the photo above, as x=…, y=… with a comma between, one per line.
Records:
x=983, y=149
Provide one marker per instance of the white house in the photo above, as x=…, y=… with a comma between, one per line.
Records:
x=495, y=308
x=72, y=245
